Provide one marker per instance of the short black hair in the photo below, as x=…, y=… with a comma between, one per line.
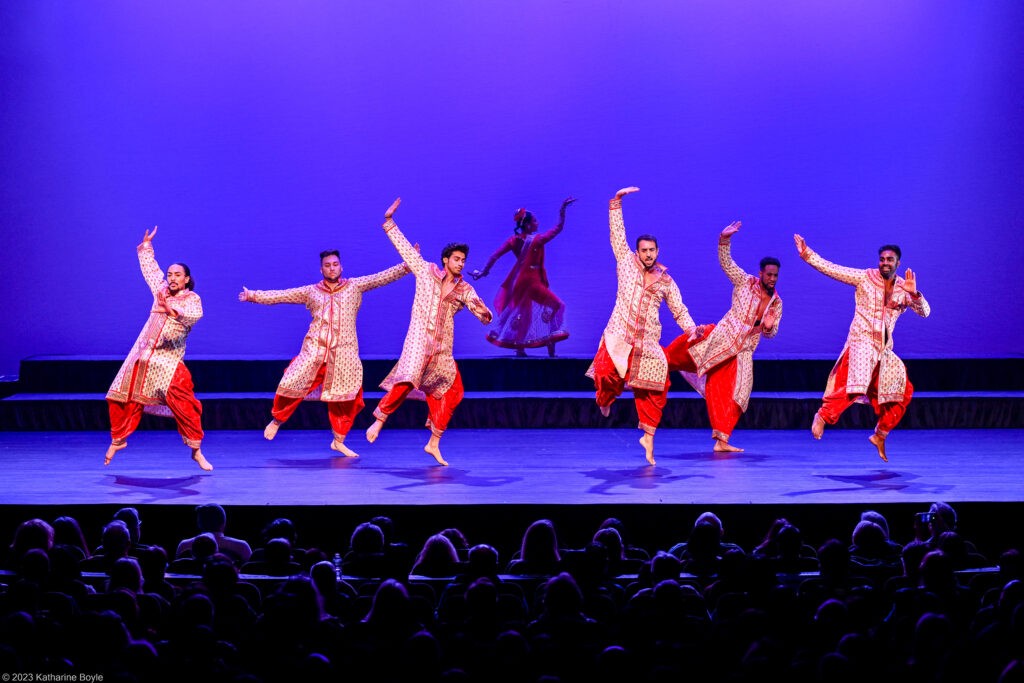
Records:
x=329, y=252
x=770, y=261
x=894, y=248
x=454, y=246
x=646, y=238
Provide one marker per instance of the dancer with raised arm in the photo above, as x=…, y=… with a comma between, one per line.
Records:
x=868, y=371
x=529, y=314
x=153, y=378
x=721, y=365
x=426, y=364
x=328, y=366
x=630, y=352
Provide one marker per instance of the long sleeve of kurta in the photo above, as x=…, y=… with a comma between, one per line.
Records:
x=160, y=346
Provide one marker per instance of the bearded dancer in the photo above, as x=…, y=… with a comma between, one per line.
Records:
x=426, y=364
x=721, y=365
x=868, y=371
x=153, y=379
x=630, y=351
x=328, y=366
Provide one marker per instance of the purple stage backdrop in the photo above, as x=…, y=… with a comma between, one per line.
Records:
x=256, y=134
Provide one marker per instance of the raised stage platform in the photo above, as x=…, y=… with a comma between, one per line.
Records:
x=527, y=442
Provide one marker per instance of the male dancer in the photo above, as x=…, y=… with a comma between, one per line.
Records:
x=721, y=365
x=426, y=363
x=868, y=370
x=153, y=378
x=328, y=365
x=630, y=350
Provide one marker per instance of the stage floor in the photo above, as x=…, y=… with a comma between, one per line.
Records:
x=521, y=467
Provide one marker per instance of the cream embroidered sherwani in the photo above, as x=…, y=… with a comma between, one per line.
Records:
x=634, y=329
x=426, y=361
x=736, y=333
x=874, y=320
x=161, y=344
x=331, y=339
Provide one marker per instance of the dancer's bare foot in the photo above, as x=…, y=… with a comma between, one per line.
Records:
x=270, y=431
x=374, y=431
x=817, y=427
x=725, y=447
x=343, y=449
x=606, y=410
x=551, y=350
x=879, y=442
x=114, y=448
x=434, y=448
x=647, y=441
x=201, y=460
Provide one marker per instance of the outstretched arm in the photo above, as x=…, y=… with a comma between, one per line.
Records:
x=477, y=306
x=620, y=247
x=505, y=247
x=851, y=276
x=406, y=250
x=549, y=235
x=295, y=295
x=735, y=274
x=151, y=271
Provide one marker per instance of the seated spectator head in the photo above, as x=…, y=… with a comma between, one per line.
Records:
x=211, y=517
x=868, y=539
x=116, y=539
x=438, y=557
x=367, y=538
x=711, y=518
x=324, y=577
x=943, y=518
x=282, y=527
x=220, y=574
x=457, y=538
x=125, y=574
x=386, y=526
x=153, y=562
x=540, y=542
x=204, y=546
x=705, y=539
x=390, y=604
x=278, y=551
x=67, y=531
x=32, y=533
x=483, y=561
x=664, y=565
x=562, y=597
x=878, y=518
x=34, y=565
x=834, y=558
x=481, y=597
x=131, y=519
x=611, y=539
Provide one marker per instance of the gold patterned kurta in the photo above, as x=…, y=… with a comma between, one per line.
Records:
x=331, y=339
x=874, y=320
x=426, y=361
x=161, y=344
x=632, y=336
x=736, y=333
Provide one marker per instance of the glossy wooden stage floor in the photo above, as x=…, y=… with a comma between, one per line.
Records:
x=523, y=467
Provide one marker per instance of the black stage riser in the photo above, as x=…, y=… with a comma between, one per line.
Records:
x=533, y=412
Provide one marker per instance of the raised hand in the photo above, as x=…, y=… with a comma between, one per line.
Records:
x=626, y=190
x=476, y=274
x=244, y=294
x=148, y=237
x=566, y=202
x=910, y=283
x=391, y=209
x=731, y=229
x=801, y=245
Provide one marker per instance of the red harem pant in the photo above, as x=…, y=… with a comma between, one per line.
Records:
x=834, y=403
x=340, y=413
x=180, y=399
x=719, y=384
x=609, y=385
x=439, y=410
